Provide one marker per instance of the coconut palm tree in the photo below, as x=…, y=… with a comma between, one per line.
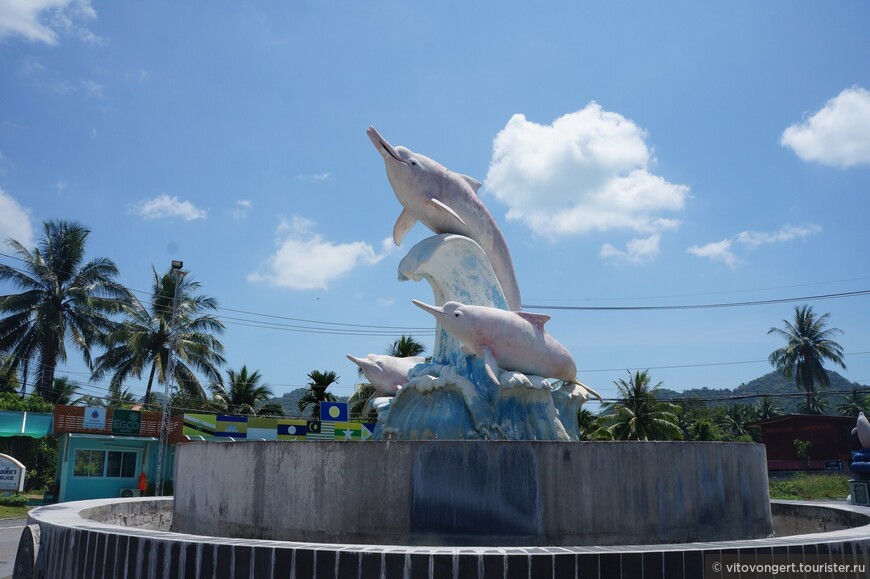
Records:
x=316, y=393
x=734, y=420
x=65, y=299
x=8, y=378
x=90, y=400
x=813, y=404
x=768, y=408
x=854, y=404
x=119, y=398
x=141, y=343
x=357, y=402
x=244, y=394
x=405, y=347
x=62, y=391
x=638, y=414
x=591, y=426
x=809, y=344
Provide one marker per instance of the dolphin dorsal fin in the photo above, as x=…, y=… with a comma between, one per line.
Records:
x=537, y=320
x=442, y=205
x=472, y=182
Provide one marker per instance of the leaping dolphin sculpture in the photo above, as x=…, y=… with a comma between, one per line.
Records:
x=445, y=202
x=507, y=340
x=386, y=373
x=862, y=429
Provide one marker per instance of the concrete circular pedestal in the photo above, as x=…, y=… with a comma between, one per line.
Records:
x=480, y=493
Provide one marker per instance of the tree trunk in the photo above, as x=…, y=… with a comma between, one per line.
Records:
x=150, y=382
x=48, y=363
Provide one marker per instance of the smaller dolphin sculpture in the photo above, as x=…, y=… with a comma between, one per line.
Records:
x=862, y=429
x=386, y=373
x=506, y=340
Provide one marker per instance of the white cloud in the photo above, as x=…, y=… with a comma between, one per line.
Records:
x=46, y=20
x=14, y=221
x=60, y=186
x=163, y=206
x=716, y=251
x=140, y=77
x=243, y=208
x=838, y=134
x=304, y=260
x=92, y=88
x=636, y=250
x=723, y=251
x=587, y=171
x=386, y=302
x=785, y=233
x=314, y=177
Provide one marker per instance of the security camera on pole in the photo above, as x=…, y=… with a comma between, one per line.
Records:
x=170, y=380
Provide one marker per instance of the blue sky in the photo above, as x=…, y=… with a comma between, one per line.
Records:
x=632, y=153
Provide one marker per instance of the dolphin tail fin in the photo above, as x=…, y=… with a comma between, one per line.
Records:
x=403, y=224
x=443, y=206
x=590, y=390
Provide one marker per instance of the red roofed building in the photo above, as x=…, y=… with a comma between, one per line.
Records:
x=831, y=438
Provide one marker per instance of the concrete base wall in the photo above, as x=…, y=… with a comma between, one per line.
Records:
x=473, y=492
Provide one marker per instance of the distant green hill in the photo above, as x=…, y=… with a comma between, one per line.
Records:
x=290, y=401
x=771, y=384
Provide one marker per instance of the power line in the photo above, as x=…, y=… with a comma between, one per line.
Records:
x=701, y=306
x=557, y=307
x=689, y=295
x=338, y=328
x=704, y=365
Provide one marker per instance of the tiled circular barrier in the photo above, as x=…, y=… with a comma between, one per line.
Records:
x=115, y=538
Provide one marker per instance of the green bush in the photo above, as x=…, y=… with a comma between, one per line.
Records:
x=808, y=487
x=13, y=500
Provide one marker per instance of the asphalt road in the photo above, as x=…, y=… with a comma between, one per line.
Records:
x=10, y=533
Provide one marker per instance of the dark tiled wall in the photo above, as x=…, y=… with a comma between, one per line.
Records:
x=71, y=553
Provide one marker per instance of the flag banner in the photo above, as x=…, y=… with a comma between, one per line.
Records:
x=348, y=431
x=318, y=430
x=368, y=430
x=292, y=430
x=333, y=411
x=231, y=426
x=262, y=428
x=203, y=425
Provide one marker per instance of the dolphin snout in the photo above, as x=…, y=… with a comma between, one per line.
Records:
x=363, y=364
x=386, y=150
x=427, y=307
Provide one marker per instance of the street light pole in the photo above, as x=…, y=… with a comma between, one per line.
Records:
x=163, y=445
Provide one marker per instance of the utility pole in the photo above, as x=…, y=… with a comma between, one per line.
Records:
x=163, y=445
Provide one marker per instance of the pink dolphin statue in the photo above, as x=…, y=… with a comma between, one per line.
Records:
x=862, y=429
x=506, y=340
x=446, y=202
x=386, y=373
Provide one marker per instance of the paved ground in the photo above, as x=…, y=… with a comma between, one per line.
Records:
x=10, y=533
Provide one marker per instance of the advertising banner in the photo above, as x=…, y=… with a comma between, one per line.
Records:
x=95, y=417
x=126, y=421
